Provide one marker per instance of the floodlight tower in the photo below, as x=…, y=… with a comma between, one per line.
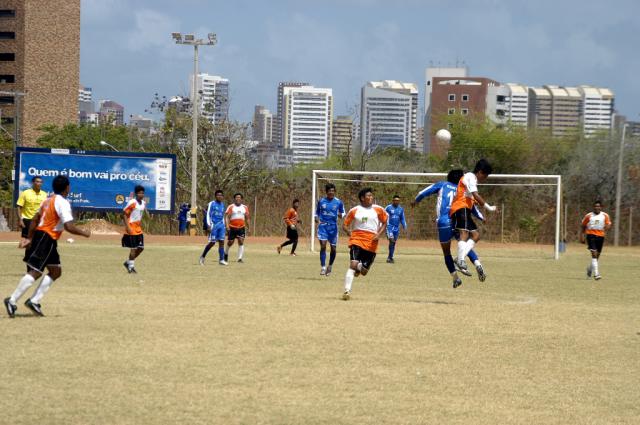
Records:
x=190, y=40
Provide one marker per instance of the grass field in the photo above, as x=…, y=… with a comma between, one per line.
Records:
x=270, y=342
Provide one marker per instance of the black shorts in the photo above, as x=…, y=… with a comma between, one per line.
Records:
x=133, y=241
x=292, y=234
x=357, y=253
x=463, y=220
x=594, y=243
x=236, y=233
x=42, y=252
x=25, y=229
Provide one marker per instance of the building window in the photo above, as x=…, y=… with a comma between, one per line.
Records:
x=7, y=79
x=452, y=97
x=450, y=126
x=452, y=111
x=7, y=57
x=465, y=97
x=6, y=100
x=7, y=35
x=464, y=111
x=7, y=13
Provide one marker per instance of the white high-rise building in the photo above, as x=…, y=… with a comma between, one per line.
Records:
x=430, y=73
x=213, y=96
x=518, y=102
x=388, y=117
x=307, y=122
x=508, y=103
x=262, y=125
x=598, y=106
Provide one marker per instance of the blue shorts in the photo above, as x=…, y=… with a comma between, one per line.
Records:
x=445, y=234
x=328, y=232
x=217, y=233
x=393, y=234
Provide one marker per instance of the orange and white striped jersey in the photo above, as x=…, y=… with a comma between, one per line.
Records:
x=236, y=214
x=365, y=224
x=291, y=217
x=55, y=211
x=133, y=212
x=464, y=195
x=596, y=223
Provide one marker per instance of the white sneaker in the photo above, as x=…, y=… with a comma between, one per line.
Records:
x=346, y=296
x=323, y=271
x=597, y=277
x=223, y=263
x=201, y=261
x=461, y=266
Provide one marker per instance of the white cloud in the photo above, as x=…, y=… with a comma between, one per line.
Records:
x=152, y=30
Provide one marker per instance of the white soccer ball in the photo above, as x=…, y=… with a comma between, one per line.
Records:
x=443, y=135
x=70, y=240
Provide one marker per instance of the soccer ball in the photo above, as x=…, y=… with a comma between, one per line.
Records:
x=443, y=135
x=70, y=240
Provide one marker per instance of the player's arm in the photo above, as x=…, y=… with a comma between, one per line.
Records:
x=346, y=224
x=207, y=216
x=480, y=201
x=126, y=213
x=427, y=191
x=607, y=223
x=72, y=228
x=382, y=226
x=403, y=220
x=247, y=222
x=20, y=204
x=583, y=228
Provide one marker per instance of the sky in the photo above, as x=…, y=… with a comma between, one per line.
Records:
x=127, y=53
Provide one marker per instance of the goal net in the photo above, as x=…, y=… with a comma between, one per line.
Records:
x=529, y=205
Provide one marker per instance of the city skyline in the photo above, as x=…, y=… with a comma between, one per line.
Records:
x=126, y=46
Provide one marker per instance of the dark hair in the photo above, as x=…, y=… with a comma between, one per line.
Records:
x=60, y=183
x=598, y=201
x=236, y=194
x=295, y=200
x=396, y=196
x=138, y=188
x=454, y=176
x=484, y=166
x=218, y=191
x=363, y=192
x=329, y=186
x=34, y=178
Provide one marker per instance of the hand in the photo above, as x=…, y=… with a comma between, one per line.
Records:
x=490, y=208
x=86, y=233
x=24, y=243
x=21, y=224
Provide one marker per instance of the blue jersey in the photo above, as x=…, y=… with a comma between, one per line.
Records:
x=446, y=193
x=215, y=214
x=327, y=211
x=396, y=217
x=184, y=212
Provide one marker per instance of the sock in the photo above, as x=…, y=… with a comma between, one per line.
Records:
x=294, y=246
x=24, y=284
x=468, y=247
x=206, y=250
x=221, y=252
x=461, y=248
x=45, y=284
x=323, y=257
x=392, y=248
x=226, y=250
x=594, y=266
x=477, y=263
x=448, y=260
x=332, y=256
x=131, y=263
x=473, y=256
x=348, y=280
x=240, y=252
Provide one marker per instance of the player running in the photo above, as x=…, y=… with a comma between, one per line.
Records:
x=133, y=237
x=396, y=218
x=214, y=221
x=236, y=219
x=364, y=224
x=328, y=211
x=446, y=191
x=461, y=211
x=292, y=220
x=53, y=217
x=594, y=226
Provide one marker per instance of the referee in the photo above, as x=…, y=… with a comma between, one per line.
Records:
x=28, y=204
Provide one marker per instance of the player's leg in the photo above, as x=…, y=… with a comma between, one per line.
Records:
x=445, y=234
x=133, y=254
x=351, y=272
x=206, y=250
x=33, y=303
x=10, y=303
x=596, y=243
x=323, y=257
x=293, y=237
x=392, y=244
x=241, y=247
x=333, y=241
x=230, y=239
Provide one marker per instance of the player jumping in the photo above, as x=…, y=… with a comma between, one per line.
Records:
x=594, y=226
x=364, y=224
x=396, y=218
x=133, y=237
x=214, y=221
x=236, y=219
x=328, y=211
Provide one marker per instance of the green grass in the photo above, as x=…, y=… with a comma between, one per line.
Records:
x=270, y=342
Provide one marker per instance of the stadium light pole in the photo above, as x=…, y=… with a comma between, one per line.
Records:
x=616, y=224
x=103, y=143
x=190, y=40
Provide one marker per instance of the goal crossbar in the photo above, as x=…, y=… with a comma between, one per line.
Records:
x=555, y=178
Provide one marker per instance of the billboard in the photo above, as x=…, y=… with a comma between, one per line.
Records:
x=101, y=181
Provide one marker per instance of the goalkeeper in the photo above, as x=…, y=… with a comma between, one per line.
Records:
x=292, y=220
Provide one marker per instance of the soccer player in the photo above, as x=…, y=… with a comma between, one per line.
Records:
x=236, y=219
x=28, y=204
x=183, y=218
x=292, y=220
x=133, y=237
x=53, y=217
x=214, y=220
x=446, y=190
x=328, y=211
x=462, y=211
x=364, y=224
x=594, y=226
x=396, y=218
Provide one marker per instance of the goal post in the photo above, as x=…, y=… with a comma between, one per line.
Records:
x=545, y=179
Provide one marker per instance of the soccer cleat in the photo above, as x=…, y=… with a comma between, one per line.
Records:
x=323, y=271
x=34, y=307
x=597, y=277
x=278, y=248
x=240, y=260
x=346, y=296
x=126, y=266
x=223, y=263
x=390, y=260
x=464, y=270
x=201, y=261
x=293, y=254
x=133, y=270
x=457, y=282
x=11, y=308
x=481, y=274
x=328, y=272
x=588, y=272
